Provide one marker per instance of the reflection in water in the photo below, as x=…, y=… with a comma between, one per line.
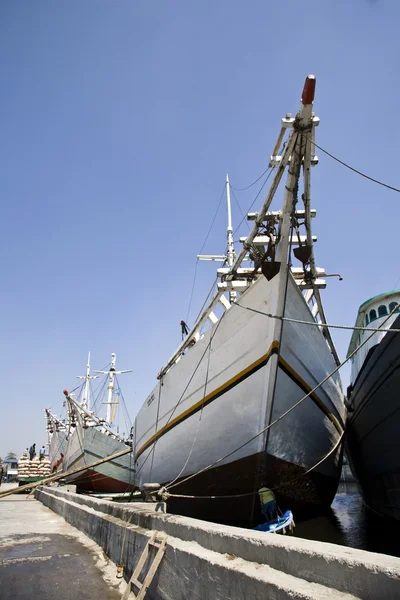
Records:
x=349, y=523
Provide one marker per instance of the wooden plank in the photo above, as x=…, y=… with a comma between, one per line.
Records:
x=152, y=570
x=143, y=557
x=135, y=575
x=136, y=582
x=64, y=474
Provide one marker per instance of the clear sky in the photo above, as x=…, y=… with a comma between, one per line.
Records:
x=119, y=120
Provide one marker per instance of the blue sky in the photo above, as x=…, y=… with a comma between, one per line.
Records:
x=119, y=120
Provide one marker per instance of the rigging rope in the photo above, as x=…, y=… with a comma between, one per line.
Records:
x=192, y=292
x=239, y=207
x=271, y=316
x=55, y=404
x=258, y=193
x=186, y=387
x=390, y=187
x=157, y=419
x=286, y=483
x=251, y=184
x=99, y=393
x=198, y=424
x=76, y=388
x=207, y=297
x=201, y=250
x=127, y=419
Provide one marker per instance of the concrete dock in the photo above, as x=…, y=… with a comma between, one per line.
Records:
x=43, y=557
x=206, y=561
x=61, y=546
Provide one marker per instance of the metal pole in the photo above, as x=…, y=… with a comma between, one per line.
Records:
x=231, y=247
x=86, y=401
x=110, y=386
x=111, y=374
x=86, y=390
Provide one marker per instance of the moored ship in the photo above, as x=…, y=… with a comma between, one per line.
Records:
x=214, y=424
x=57, y=431
x=374, y=405
x=88, y=438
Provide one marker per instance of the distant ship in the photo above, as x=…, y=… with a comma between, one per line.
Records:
x=57, y=430
x=88, y=438
x=238, y=370
x=373, y=431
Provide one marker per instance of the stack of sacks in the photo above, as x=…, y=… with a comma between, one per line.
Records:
x=33, y=468
x=24, y=467
x=44, y=467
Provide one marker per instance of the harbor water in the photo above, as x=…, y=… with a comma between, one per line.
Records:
x=349, y=523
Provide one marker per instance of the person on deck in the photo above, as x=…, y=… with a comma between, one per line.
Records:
x=32, y=451
x=1, y=473
x=268, y=502
x=42, y=453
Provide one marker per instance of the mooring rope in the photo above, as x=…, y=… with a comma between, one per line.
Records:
x=327, y=325
x=286, y=483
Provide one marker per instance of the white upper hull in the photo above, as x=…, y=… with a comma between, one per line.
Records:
x=244, y=347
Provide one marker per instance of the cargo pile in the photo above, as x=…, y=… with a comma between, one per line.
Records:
x=33, y=468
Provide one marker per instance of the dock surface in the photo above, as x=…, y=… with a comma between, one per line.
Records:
x=41, y=556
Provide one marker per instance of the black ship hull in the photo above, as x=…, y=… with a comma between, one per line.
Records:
x=230, y=492
x=373, y=431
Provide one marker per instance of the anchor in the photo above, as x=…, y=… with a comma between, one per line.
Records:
x=303, y=251
x=269, y=266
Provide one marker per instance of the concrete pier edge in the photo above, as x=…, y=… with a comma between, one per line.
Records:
x=237, y=562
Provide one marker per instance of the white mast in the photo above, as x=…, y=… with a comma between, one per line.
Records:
x=86, y=389
x=231, y=248
x=111, y=374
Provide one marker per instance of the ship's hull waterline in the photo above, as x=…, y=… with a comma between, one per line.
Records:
x=86, y=446
x=374, y=425
x=222, y=394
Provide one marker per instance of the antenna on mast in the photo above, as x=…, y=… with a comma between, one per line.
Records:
x=230, y=255
x=86, y=389
x=111, y=374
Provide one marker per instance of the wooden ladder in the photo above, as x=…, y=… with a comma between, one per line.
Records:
x=143, y=587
